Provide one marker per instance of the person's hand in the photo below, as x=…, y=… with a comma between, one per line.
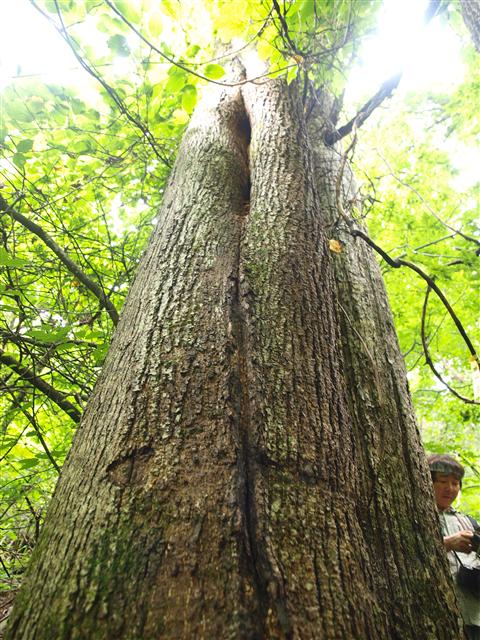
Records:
x=461, y=541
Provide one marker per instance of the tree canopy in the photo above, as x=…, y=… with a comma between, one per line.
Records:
x=83, y=169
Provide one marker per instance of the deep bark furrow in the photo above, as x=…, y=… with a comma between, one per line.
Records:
x=242, y=418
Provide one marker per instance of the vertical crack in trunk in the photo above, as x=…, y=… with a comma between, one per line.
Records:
x=242, y=414
x=265, y=596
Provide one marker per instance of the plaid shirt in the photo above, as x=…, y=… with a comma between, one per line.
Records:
x=452, y=521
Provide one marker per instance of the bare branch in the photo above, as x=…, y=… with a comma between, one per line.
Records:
x=64, y=258
x=385, y=91
x=36, y=518
x=58, y=397
x=396, y=264
x=428, y=358
x=31, y=418
x=430, y=209
x=284, y=29
x=388, y=87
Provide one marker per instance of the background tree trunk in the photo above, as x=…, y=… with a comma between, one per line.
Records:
x=471, y=15
x=228, y=479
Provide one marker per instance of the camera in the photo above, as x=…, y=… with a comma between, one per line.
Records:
x=476, y=540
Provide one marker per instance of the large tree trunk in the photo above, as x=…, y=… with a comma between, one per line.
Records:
x=229, y=479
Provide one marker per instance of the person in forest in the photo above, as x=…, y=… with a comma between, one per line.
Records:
x=458, y=538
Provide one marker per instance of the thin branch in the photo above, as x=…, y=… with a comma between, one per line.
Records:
x=12, y=446
x=284, y=29
x=6, y=571
x=63, y=257
x=409, y=351
x=182, y=66
x=385, y=91
x=58, y=397
x=387, y=88
x=430, y=209
x=428, y=358
x=62, y=30
x=429, y=244
x=36, y=518
x=36, y=428
x=469, y=464
x=19, y=339
x=396, y=264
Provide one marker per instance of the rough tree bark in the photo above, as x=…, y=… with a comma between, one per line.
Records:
x=248, y=465
x=471, y=15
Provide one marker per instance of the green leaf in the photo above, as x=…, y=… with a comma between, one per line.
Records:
x=169, y=9
x=93, y=113
x=118, y=44
x=78, y=12
x=128, y=9
x=155, y=24
x=180, y=116
x=7, y=260
x=84, y=145
x=7, y=442
x=28, y=463
x=214, y=71
x=46, y=335
x=24, y=145
x=36, y=104
x=51, y=5
x=110, y=23
x=164, y=130
x=78, y=106
x=99, y=354
x=292, y=74
x=189, y=98
x=176, y=79
x=19, y=160
x=147, y=89
x=9, y=308
x=18, y=111
x=42, y=456
x=3, y=133
x=193, y=50
x=306, y=10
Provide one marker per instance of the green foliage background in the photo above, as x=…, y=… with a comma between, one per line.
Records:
x=88, y=165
